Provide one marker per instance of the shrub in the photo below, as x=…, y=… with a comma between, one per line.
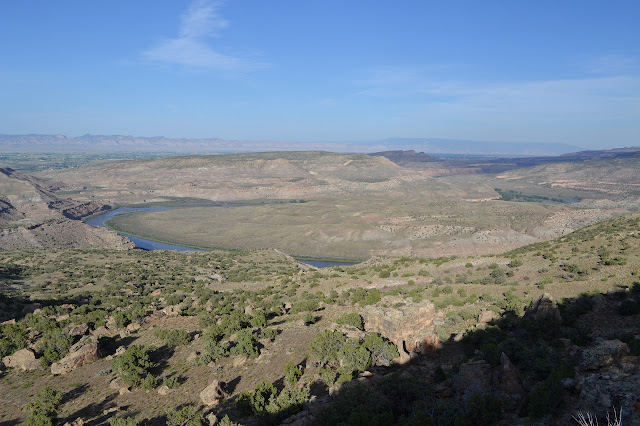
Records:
x=12, y=338
x=354, y=357
x=185, y=416
x=245, y=344
x=309, y=318
x=148, y=383
x=382, y=352
x=292, y=374
x=122, y=421
x=353, y=319
x=173, y=337
x=43, y=410
x=133, y=365
x=545, y=399
x=629, y=307
x=269, y=333
x=213, y=350
x=54, y=345
x=325, y=346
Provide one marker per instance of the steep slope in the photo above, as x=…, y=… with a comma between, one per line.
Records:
x=33, y=217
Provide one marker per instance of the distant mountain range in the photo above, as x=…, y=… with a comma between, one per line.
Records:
x=118, y=143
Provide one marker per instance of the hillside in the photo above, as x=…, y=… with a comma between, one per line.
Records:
x=235, y=177
x=467, y=352
x=616, y=177
x=32, y=216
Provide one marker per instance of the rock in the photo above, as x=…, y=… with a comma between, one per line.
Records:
x=193, y=357
x=62, y=317
x=31, y=308
x=543, y=308
x=603, y=354
x=124, y=390
x=239, y=360
x=164, y=390
x=101, y=331
x=410, y=328
x=134, y=326
x=115, y=384
x=77, y=422
x=486, y=317
x=248, y=310
x=8, y=322
x=81, y=353
x=473, y=377
x=25, y=359
x=78, y=330
x=212, y=419
x=120, y=350
x=214, y=393
x=172, y=311
x=507, y=379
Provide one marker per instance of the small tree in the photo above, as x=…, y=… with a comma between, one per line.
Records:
x=185, y=416
x=43, y=411
x=325, y=346
x=133, y=365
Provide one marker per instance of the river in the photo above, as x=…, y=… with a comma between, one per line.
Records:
x=146, y=244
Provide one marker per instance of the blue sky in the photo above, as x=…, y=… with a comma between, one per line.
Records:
x=291, y=70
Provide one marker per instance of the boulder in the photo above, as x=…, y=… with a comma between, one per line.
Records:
x=78, y=330
x=81, y=353
x=473, y=377
x=507, y=379
x=485, y=317
x=214, y=393
x=604, y=354
x=410, y=328
x=212, y=419
x=164, y=390
x=25, y=359
x=543, y=308
x=31, y=308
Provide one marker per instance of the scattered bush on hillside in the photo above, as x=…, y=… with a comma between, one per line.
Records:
x=13, y=337
x=43, y=410
x=187, y=415
x=133, y=365
x=122, y=421
x=269, y=405
x=54, y=345
x=353, y=319
x=173, y=337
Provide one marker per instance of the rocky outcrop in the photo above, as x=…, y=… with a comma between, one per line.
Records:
x=24, y=359
x=543, y=308
x=83, y=352
x=604, y=354
x=214, y=393
x=78, y=330
x=412, y=329
x=83, y=210
x=607, y=377
x=480, y=377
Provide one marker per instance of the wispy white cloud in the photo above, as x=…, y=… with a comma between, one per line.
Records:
x=200, y=23
x=583, y=108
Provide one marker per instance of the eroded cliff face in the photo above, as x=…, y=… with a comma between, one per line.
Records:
x=34, y=217
x=62, y=233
